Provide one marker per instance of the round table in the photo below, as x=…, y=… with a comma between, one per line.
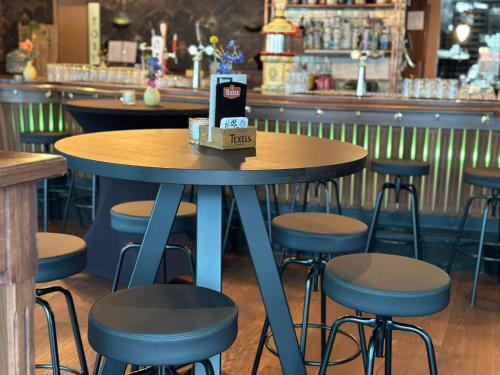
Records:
x=95, y=115
x=99, y=115
x=166, y=157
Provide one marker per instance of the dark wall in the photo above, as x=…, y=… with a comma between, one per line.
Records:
x=11, y=11
x=226, y=18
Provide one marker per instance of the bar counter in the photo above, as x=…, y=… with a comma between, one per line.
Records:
x=449, y=134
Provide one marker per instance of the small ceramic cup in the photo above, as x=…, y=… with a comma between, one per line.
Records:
x=194, y=128
x=128, y=97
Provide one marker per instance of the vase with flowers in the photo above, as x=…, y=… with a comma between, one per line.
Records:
x=26, y=49
x=152, y=95
x=226, y=56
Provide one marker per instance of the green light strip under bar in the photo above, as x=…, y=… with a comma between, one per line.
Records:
x=487, y=158
x=276, y=126
x=388, y=153
x=332, y=131
x=475, y=154
x=21, y=119
x=299, y=128
x=287, y=127
x=309, y=129
x=414, y=144
x=41, y=120
x=51, y=117
x=436, y=171
x=266, y=125
x=31, y=117
x=341, y=180
x=402, y=141
x=449, y=160
x=425, y=157
x=366, y=144
x=61, y=118
x=377, y=155
x=354, y=142
x=461, y=163
x=320, y=130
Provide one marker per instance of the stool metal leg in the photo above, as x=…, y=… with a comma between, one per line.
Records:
x=45, y=205
x=373, y=225
x=323, y=318
x=415, y=222
x=228, y=224
x=337, y=196
x=119, y=265
x=480, y=253
x=460, y=232
x=54, y=352
x=388, y=349
x=71, y=186
x=295, y=195
x=305, y=312
x=431, y=355
x=304, y=201
x=371, y=350
x=209, y=370
x=268, y=211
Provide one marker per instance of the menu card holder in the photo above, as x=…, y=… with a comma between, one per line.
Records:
x=228, y=139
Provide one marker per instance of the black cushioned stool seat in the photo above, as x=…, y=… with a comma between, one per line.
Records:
x=133, y=217
x=484, y=177
x=319, y=232
x=161, y=325
x=387, y=285
x=43, y=138
x=59, y=256
x=400, y=167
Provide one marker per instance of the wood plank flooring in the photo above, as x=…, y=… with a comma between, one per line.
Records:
x=467, y=340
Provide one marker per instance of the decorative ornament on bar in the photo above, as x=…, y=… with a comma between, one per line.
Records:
x=227, y=123
x=27, y=51
x=152, y=94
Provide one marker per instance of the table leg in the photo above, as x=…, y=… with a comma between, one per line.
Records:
x=151, y=252
x=270, y=285
x=209, y=247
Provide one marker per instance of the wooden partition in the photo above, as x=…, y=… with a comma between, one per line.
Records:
x=19, y=173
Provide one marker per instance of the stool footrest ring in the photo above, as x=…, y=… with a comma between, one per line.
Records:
x=318, y=363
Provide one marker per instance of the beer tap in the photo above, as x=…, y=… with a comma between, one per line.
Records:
x=158, y=46
x=197, y=53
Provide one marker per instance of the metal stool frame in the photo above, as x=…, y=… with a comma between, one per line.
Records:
x=49, y=314
x=380, y=344
x=493, y=203
x=398, y=186
x=313, y=282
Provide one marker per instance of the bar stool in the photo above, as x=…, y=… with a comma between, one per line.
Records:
x=317, y=185
x=386, y=286
x=488, y=178
x=133, y=217
x=319, y=236
x=163, y=325
x=44, y=140
x=60, y=256
x=399, y=168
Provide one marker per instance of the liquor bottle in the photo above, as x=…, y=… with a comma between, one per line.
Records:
x=385, y=40
x=346, y=42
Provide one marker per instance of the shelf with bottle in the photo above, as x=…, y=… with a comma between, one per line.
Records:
x=337, y=6
x=346, y=53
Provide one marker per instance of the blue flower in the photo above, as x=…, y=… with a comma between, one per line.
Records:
x=232, y=43
x=153, y=62
x=224, y=68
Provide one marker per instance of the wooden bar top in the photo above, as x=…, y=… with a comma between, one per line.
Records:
x=20, y=167
x=376, y=102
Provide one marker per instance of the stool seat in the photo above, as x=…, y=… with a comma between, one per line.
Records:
x=400, y=167
x=133, y=217
x=387, y=285
x=484, y=177
x=59, y=256
x=319, y=232
x=43, y=138
x=163, y=324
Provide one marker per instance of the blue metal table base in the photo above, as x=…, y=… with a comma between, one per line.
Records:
x=209, y=260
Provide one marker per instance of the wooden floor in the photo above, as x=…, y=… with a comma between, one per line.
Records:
x=467, y=340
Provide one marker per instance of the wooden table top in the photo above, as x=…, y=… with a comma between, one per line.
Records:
x=20, y=167
x=113, y=106
x=166, y=156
